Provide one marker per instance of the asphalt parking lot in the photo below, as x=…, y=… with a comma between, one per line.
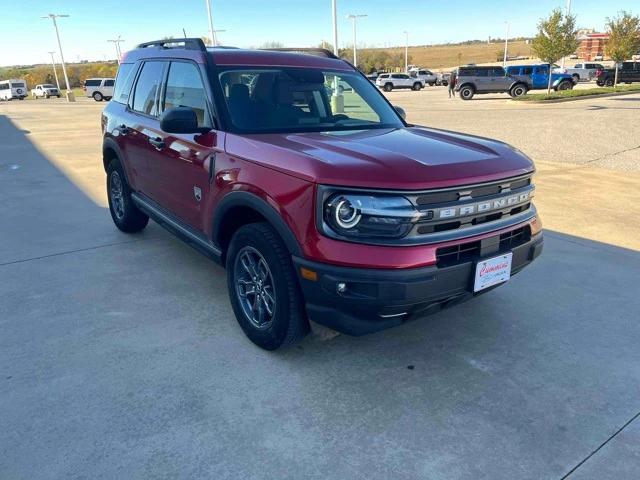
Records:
x=120, y=356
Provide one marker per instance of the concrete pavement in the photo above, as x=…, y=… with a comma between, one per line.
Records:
x=120, y=356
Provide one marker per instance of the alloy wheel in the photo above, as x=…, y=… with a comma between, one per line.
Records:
x=117, y=196
x=255, y=287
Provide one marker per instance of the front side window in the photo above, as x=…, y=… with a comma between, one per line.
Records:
x=147, y=87
x=108, y=83
x=289, y=99
x=542, y=70
x=527, y=71
x=185, y=89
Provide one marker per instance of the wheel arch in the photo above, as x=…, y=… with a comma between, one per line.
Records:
x=241, y=208
x=111, y=151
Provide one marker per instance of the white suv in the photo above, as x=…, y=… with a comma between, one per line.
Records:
x=427, y=76
x=99, y=88
x=389, y=81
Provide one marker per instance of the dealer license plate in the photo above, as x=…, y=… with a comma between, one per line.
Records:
x=492, y=271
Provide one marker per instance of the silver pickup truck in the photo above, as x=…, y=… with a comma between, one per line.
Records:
x=581, y=71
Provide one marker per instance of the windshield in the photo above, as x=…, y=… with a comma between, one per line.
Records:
x=279, y=100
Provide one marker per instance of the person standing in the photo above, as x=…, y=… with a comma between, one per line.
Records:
x=452, y=84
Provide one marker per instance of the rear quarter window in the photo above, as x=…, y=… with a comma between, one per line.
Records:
x=124, y=81
x=92, y=83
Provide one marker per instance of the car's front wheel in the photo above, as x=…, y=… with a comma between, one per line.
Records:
x=608, y=82
x=124, y=212
x=566, y=85
x=417, y=86
x=263, y=288
x=388, y=87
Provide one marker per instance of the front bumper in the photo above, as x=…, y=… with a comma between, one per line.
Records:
x=377, y=299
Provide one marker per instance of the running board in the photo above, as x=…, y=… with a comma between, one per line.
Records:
x=193, y=237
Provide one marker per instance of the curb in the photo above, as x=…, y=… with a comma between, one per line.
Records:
x=583, y=97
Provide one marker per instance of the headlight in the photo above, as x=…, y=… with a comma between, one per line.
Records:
x=369, y=215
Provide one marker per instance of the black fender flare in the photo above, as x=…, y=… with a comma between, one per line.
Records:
x=250, y=200
x=111, y=144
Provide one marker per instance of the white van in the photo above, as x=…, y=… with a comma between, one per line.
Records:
x=99, y=88
x=10, y=89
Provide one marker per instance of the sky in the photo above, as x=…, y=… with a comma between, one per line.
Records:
x=25, y=38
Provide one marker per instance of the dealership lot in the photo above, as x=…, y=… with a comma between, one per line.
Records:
x=121, y=357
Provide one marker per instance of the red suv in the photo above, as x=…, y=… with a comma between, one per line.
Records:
x=321, y=202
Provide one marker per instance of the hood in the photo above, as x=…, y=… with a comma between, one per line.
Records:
x=404, y=158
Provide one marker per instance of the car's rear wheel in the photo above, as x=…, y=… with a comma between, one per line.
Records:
x=417, y=86
x=576, y=77
x=387, y=87
x=263, y=288
x=124, y=212
x=97, y=96
x=518, y=90
x=467, y=92
x=608, y=82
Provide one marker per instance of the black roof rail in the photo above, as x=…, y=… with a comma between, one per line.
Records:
x=187, y=44
x=311, y=51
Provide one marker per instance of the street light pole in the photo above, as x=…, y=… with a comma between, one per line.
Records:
x=55, y=73
x=337, y=100
x=568, y=13
x=406, y=51
x=53, y=17
x=354, y=19
x=216, y=32
x=212, y=32
x=506, y=45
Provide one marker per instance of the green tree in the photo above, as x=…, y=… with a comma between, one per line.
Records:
x=624, y=38
x=272, y=44
x=556, y=38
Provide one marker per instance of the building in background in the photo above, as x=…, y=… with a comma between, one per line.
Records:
x=592, y=44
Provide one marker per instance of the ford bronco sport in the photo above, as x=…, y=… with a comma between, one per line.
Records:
x=322, y=208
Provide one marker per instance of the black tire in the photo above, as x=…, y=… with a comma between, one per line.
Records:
x=387, y=87
x=124, y=212
x=566, y=85
x=576, y=77
x=97, y=96
x=287, y=322
x=608, y=82
x=518, y=90
x=467, y=92
x=417, y=86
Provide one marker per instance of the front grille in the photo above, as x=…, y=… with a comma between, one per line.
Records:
x=474, y=251
x=467, y=210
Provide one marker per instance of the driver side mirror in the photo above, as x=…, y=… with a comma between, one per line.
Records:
x=401, y=112
x=181, y=120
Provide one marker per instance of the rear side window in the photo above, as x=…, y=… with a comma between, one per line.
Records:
x=124, y=81
x=146, y=91
x=527, y=71
x=185, y=89
x=92, y=83
x=108, y=83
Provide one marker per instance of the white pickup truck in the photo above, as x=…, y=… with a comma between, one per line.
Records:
x=581, y=71
x=45, y=90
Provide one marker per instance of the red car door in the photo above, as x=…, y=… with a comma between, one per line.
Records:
x=182, y=165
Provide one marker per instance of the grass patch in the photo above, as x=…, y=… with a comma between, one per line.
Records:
x=589, y=92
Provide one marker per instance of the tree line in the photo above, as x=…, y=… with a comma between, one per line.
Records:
x=77, y=73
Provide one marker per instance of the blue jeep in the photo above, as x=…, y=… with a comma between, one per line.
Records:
x=537, y=77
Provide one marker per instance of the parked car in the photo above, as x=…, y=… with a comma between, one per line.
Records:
x=45, y=90
x=349, y=217
x=479, y=80
x=537, y=77
x=628, y=72
x=443, y=79
x=581, y=71
x=389, y=81
x=99, y=88
x=13, y=88
x=427, y=77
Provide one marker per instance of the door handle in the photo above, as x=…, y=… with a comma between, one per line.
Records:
x=212, y=166
x=124, y=130
x=157, y=142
